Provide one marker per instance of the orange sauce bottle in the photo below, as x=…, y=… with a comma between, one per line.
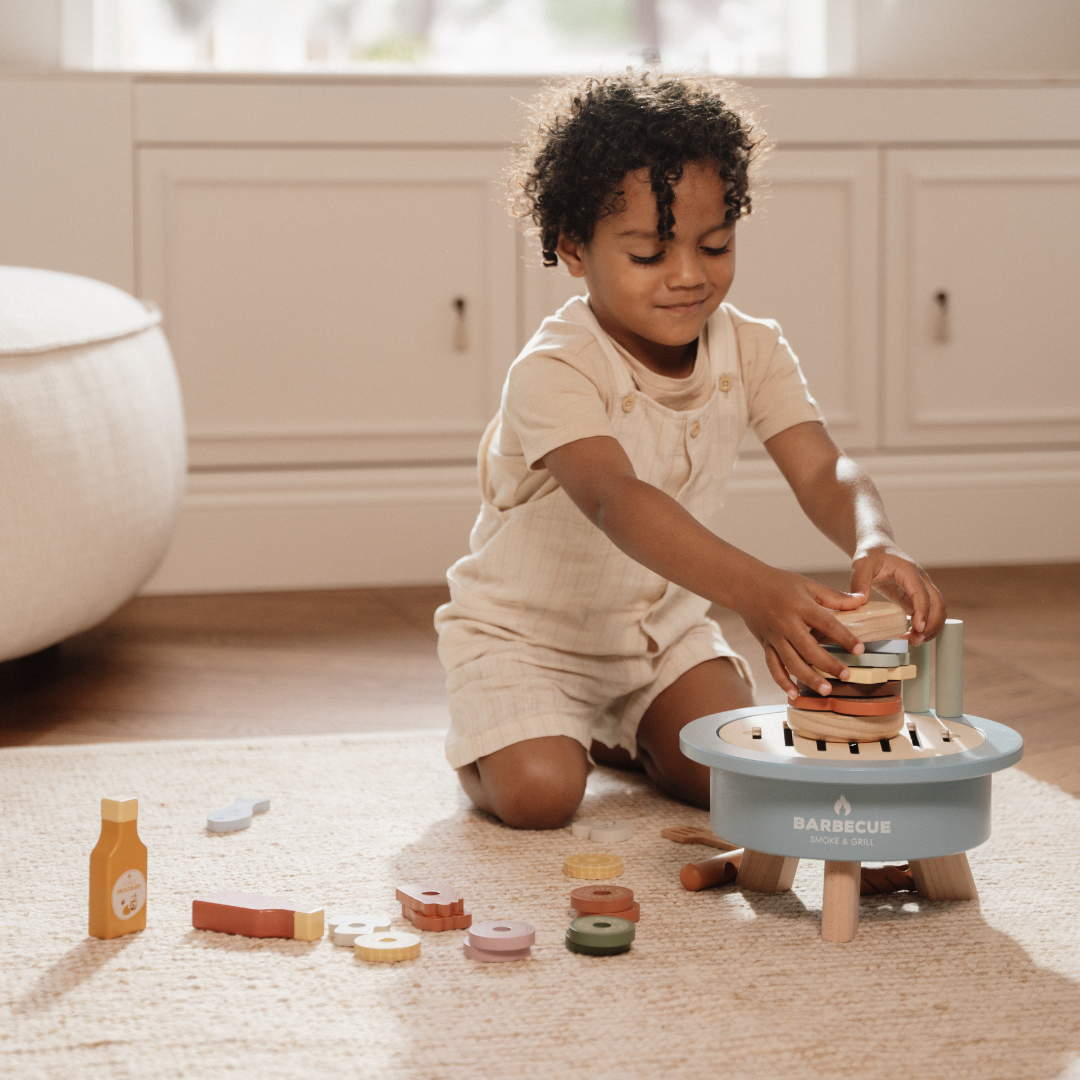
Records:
x=118, y=872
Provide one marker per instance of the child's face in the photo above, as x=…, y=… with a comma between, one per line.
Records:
x=653, y=296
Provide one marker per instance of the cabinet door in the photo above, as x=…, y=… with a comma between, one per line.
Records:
x=808, y=258
x=330, y=306
x=982, y=319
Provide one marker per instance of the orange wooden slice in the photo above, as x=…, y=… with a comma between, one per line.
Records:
x=599, y=899
x=630, y=914
x=437, y=923
x=848, y=689
x=813, y=704
x=430, y=899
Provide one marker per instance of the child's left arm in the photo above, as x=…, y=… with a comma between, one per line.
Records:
x=839, y=497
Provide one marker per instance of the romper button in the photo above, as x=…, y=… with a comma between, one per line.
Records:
x=695, y=430
x=726, y=383
x=627, y=404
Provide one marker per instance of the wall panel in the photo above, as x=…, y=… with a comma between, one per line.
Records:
x=807, y=257
x=66, y=176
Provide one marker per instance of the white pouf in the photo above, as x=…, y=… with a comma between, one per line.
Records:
x=92, y=453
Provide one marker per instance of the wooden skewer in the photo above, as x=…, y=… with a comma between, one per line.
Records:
x=692, y=834
x=876, y=881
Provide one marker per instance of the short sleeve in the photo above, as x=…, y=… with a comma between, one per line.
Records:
x=777, y=396
x=550, y=401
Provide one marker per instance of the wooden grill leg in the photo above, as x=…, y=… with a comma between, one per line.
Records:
x=766, y=873
x=946, y=878
x=840, y=901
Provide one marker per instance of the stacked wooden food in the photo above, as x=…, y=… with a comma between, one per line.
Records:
x=867, y=705
x=433, y=907
x=500, y=941
x=604, y=918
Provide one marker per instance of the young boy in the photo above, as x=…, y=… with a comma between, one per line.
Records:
x=578, y=624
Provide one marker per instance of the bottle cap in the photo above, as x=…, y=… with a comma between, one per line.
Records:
x=120, y=808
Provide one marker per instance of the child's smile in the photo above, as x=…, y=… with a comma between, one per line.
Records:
x=654, y=296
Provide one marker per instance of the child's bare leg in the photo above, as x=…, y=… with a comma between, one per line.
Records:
x=615, y=757
x=714, y=686
x=533, y=784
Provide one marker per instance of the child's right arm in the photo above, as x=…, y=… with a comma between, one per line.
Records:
x=657, y=532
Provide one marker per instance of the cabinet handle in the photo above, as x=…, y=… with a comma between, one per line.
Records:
x=941, y=317
x=460, y=337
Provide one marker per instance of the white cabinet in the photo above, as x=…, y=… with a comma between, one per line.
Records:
x=981, y=276
x=307, y=239
x=327, y=305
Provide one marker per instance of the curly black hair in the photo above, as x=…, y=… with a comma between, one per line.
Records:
x=587, y=134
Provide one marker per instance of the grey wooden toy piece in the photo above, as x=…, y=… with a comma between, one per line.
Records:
x=896, y=646
x=917, y=691
x=238, y=815
x=870, y=659
x=949, y=670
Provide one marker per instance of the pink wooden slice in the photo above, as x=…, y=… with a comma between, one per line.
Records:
x=490, y=956
x=504, y=936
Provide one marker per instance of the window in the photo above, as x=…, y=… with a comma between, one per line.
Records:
x=737, y=37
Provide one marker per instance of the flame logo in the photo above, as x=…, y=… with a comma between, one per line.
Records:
x=842, y=806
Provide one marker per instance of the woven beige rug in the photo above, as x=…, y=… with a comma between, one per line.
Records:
x=718, y=984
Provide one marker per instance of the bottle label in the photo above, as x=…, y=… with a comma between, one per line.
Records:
x=128, y=894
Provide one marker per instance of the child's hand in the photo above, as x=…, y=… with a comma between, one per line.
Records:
x=781, y=610
x=905, y=582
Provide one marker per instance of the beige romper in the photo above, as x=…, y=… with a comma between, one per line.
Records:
x=551, y=629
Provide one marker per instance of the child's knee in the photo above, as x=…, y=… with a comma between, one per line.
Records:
x=536, y=784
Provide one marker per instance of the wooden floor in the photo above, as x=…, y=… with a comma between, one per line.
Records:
x=364, y=660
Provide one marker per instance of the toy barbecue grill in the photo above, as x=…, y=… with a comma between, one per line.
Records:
x=920, y=795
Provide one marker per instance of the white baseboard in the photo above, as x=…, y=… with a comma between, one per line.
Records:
x=319, y=528
x=962, y=509
x=338, y=528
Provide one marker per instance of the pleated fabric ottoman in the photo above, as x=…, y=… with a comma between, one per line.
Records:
x=92, y=453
